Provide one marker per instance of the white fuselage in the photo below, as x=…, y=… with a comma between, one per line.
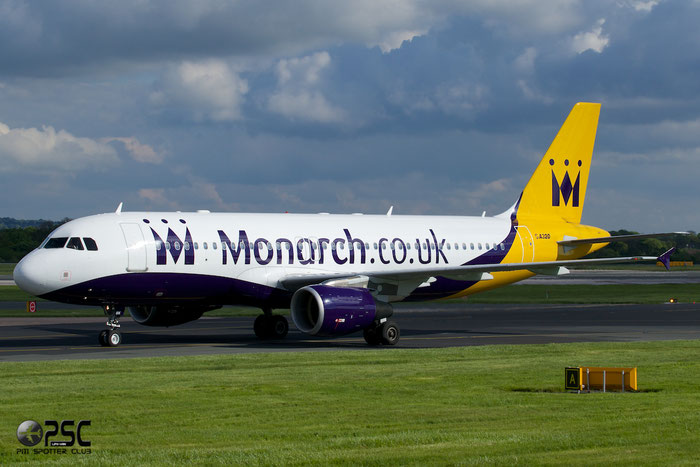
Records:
x=254, y=249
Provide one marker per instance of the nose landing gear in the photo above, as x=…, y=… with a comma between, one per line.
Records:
x=111, y=337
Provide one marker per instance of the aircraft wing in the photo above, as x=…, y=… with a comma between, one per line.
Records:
x=417, y=276
x=616, y=238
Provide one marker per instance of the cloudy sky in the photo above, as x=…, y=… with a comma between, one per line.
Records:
x=435, y=107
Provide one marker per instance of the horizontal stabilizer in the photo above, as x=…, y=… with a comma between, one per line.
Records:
x=617, y=238
x=666, y=258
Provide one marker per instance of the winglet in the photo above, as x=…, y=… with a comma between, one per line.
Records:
x=666, y=258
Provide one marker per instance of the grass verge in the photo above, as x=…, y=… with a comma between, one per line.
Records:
x=491, y=404
x=6, y=269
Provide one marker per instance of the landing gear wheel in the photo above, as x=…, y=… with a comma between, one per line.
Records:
x=371, y=336
x=271, y=326
x=279, y=327
x=262, y=326
x=111, y=337
x=114, y=338
x=389, y=333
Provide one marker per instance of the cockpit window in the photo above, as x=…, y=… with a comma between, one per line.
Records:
x=75, y=244
x=90, y=244
x=56, y=242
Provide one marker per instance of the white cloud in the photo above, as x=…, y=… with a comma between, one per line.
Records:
x=533, y=94
x=305, y=105
x=199, y=191
x=393, y=40
x=139, y=152
x=592, y=40
x=643, y=5
x=461, y=98
x=157, y=197
x=47, y=148
x=302, y=71
x=525, y=62
x=208, y=90
x=297, y=95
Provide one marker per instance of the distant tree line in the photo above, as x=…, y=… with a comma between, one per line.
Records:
x=687, y=247
x=22, y=236
x=19, y=237
x=10, y=223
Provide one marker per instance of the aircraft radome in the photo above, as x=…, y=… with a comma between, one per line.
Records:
x=338, y=273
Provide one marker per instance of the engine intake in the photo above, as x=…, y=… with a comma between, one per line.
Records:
x=333, y=311
x=165, y=316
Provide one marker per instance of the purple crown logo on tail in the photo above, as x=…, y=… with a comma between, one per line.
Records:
x=565, y=188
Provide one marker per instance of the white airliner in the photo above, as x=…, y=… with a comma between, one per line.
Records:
x=337, y=273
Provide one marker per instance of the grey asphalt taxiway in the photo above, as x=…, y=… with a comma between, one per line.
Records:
x=425, y=325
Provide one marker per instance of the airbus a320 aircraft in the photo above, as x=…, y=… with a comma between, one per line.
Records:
x=338, y=273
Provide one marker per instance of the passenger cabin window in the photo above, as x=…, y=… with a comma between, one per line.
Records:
x=90, y=244
x=75, y=244
x=56, y=242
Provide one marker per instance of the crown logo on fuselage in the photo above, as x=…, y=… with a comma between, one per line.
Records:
x=566, y=189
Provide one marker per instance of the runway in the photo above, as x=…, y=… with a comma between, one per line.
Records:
x=427, y=325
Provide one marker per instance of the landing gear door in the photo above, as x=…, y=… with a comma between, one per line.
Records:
x=135, y=247
x=528, y=244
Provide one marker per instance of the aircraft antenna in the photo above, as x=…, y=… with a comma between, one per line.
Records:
x=119, y=208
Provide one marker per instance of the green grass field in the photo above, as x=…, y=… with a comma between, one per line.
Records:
x=471, y=405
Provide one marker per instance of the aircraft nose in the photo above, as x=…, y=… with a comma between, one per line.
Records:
x=29, y=276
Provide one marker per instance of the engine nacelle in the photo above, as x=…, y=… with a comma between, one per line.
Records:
x=333, y=311
x=165, y=316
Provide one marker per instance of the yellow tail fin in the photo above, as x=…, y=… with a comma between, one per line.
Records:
x=558, y=186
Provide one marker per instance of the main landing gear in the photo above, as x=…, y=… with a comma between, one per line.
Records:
x=384, y=331
x=111, y=337
x=269, y=326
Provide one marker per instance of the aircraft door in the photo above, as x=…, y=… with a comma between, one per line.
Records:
x=135, y=247
x=528, y=243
